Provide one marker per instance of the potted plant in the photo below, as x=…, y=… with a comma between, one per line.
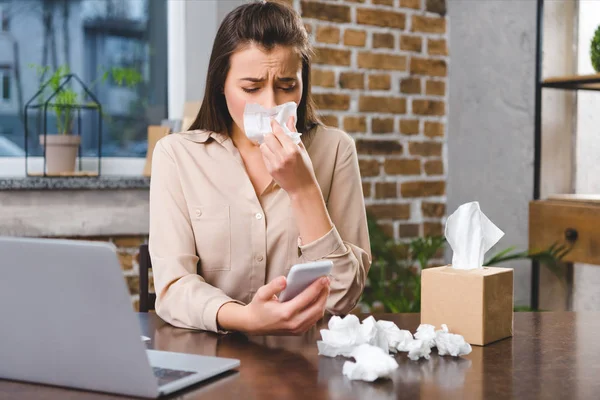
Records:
x=61, y=147
x=595, y=50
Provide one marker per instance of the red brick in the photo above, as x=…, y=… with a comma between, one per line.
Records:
x=355, y=124
x=378, y=147
x=409, y=126
x=386, y=190
x=433, y=210
x=434, y=167
x=428, y=107
x=434, y=129
x=382, y=125
x=332, y=56
x=383, y=2
x=387, y=228
x=423, y=189
x=328, y=34
x=390, y=19
x=352, y=80
x=423, y=66
x=325, y=12
x=329, y=120
x=421, y=23
x=389, y=211
x=353, y=37
x=383, y=40
x=410, y=86
x=402, y=167
x=425, y=149
x=393, y=105
x=416, y=4
x=369, y=168
x=322, y=77
x=433, y=229
x=408, y=230
x=411, y=43
x=329, y=101
x=436, y=6
x=435, y=88
x=380, y=82
x=437, y=47
x=381, y=61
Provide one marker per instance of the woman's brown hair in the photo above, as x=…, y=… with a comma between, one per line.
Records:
x=267, y=24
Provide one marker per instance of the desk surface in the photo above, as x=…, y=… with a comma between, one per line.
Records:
x=552, y=355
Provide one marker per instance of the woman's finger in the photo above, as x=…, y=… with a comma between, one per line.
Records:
x=291, y=124
x=286, y=142
x=273, y=144
x=268, y=156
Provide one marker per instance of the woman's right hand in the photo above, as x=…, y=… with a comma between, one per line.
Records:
x=267, y=316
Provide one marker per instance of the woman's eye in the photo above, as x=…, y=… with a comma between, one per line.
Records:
x=250, y=90
x=288, y=89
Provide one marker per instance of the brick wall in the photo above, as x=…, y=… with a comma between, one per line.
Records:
x=381, y=73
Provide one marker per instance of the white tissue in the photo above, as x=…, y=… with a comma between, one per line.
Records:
x=371, y=363
x=450, y=343
x=470, y=234
x=418, y=348
x=397, y=339
x=426, y=333
x=257, y=120
x=368, y=342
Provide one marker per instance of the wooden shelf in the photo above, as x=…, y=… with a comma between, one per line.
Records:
x=573, y=82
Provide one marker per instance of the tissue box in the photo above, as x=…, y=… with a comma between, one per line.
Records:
x=477, y=303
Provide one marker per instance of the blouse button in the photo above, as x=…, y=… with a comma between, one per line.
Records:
x=258, y=216
x=198, y=213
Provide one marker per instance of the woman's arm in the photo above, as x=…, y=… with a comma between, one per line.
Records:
x=347, y=243
x=336, y=232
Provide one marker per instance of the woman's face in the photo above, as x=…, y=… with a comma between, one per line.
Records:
x=268, y=78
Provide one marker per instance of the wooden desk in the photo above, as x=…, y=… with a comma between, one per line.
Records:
x=551, y=356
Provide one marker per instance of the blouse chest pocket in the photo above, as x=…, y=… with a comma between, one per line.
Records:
x=212, y=232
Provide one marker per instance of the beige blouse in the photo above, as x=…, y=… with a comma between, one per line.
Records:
x=212, y=240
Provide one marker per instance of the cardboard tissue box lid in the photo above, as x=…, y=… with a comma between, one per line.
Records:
x=477, y=303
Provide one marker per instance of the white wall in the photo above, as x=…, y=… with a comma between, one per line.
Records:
x=192, y=26
x=491, y=105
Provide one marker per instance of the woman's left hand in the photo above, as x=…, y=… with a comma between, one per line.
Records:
x=287, y=162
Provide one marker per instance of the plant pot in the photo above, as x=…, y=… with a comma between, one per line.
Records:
x=61, y=153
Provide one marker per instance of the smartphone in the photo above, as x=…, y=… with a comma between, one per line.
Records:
x=302, y=276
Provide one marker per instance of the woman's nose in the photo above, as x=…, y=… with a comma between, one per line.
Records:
x=268, y=101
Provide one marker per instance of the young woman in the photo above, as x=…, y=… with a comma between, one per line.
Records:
x=229, y=217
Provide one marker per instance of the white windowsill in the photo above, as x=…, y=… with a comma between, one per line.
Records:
x=14, y=167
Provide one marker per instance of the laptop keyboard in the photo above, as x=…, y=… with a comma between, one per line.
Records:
x=166, y=375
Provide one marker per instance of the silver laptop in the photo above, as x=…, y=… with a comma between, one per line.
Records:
x=66, y=319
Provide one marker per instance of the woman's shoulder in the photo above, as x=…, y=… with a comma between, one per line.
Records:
x=331, y=137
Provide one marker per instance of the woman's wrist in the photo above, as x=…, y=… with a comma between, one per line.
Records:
x=232, y=317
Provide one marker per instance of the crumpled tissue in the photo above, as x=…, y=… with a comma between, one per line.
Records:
x=257, y=120
x=450, y=343
x=347, y=335
x=371, y=363
x=470, y=234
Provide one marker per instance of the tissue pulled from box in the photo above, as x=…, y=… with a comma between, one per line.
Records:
x=371, y=363
x=257, y=120
x=470, y=235
x=450, y=343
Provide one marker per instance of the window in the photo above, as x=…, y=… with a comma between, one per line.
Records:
x=4, y=20
x=5, y=84
x=88, y=36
